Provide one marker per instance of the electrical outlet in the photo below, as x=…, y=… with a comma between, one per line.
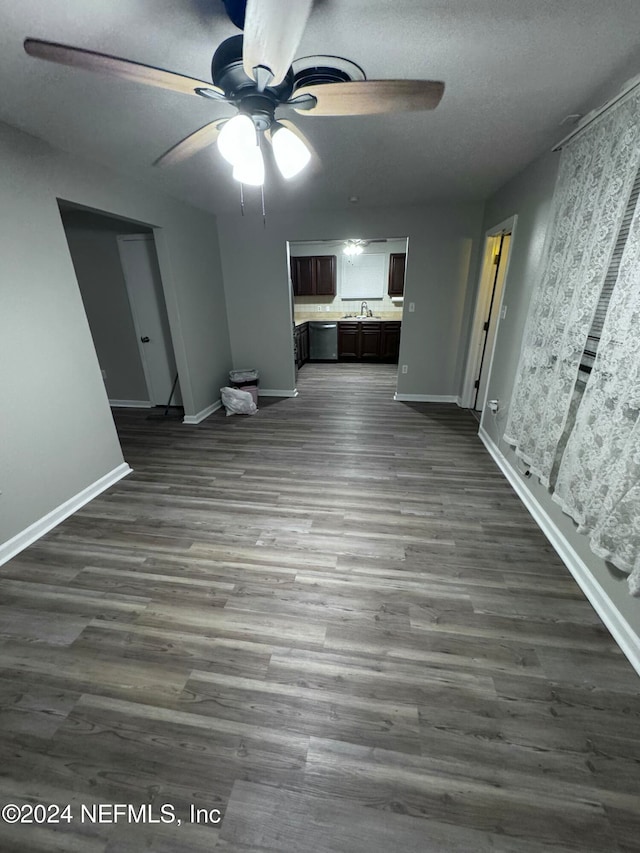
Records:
x=503, y=312
x=319, y=307
x=405, y=368
x=412, y=307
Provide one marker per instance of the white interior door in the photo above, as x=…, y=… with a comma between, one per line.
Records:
x=491, y=321
x=144, y=286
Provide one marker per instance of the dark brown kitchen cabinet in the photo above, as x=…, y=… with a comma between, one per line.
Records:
x=348, y=340
x=304, y=343
x=325, y=275
x=302, y=276
x=314, y=275
x=390, y=341
x=301, y=340
x=369, y=340
x=397, y=264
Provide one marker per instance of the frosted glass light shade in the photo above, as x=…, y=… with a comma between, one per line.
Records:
x=237, y=136
x=352, y=249
x=250, y=169
x=290, y=152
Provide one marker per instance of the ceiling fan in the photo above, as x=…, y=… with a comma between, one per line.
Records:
x=256, y=73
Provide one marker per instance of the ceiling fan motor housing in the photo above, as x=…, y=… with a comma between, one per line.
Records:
x=228, y=73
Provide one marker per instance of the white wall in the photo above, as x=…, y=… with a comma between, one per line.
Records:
x=93, y=245
x=57, y=433
x=441, y=265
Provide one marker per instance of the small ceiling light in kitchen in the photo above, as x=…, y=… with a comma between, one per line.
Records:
x=353, y=247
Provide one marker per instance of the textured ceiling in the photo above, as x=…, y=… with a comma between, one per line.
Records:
x=513, y=70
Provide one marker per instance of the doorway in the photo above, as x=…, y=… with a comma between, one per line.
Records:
x=347, y=302
x=489, y=311
x=119, y=279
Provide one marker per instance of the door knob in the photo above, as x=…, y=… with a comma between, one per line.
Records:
x=145, y=340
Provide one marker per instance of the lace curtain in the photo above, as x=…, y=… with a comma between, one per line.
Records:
x=598, y=482
x=595, y=177
x=586, y=444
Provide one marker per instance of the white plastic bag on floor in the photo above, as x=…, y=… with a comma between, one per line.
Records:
x=237, y=402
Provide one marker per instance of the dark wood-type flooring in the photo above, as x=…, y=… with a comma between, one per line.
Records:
x=335, y=623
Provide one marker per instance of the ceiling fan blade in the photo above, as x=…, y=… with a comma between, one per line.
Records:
x=91, y=61
x=191, y=144
x=369, y=97
x=272, y=33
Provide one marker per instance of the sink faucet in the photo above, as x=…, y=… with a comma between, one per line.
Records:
x=363, y=309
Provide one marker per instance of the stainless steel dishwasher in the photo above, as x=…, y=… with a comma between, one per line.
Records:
x=323, y=341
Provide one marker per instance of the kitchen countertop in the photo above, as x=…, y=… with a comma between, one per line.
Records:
x=347, y=320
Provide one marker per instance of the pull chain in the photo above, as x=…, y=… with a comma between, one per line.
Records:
x=242, y=198
x=264, y=216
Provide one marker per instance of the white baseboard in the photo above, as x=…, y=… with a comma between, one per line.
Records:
x=425, y=398
x=200, y=416
x=262, y=392
x=32, y=533
x=275, y=392
x=131, y=404
x=624, y=635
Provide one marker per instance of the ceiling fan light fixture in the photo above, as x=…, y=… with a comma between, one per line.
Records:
x=353, y=247
x=290, y=152
x=249, y=169
x=236, y=138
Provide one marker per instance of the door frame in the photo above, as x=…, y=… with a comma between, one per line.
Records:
x=483, y=303
x=339, y=242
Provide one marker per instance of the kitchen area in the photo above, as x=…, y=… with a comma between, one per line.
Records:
x=347, y=299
